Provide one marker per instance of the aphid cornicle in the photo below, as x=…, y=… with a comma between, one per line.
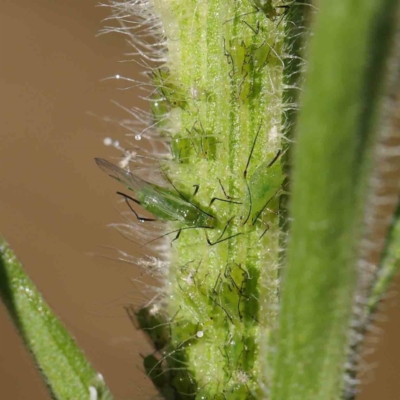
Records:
x=161, y=202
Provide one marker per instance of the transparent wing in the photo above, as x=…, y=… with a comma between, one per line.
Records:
x=131, y=181
x=158, y=201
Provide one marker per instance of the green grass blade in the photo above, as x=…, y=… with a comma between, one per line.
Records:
x=63, y=365
x=334, y=139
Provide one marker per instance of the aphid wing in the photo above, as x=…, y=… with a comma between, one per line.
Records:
x=173, y=207
x=132, y=182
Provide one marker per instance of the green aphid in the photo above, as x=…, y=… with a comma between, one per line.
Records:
x=155, y=326
x=197, y=143
x=263, y=186
x=181, y=148
x=159, y=111
x=170, y=376
x=268, y=8
x=161, y=202
x=171, y=92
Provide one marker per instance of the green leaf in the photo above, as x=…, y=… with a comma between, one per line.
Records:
x=348, y=54
x=63, y=365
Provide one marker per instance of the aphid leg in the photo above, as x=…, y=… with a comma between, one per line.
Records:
x=177, y=236
x=265, y=207
x=245, y=272
x=223, y=190
x=186, y=199
x=223, y=231
x=189, y=132
x=257, y=30
x=127, y=198
x=228, y=199
x=175, y=231
x=265, y=231
x=222, y=240
x=217, y=282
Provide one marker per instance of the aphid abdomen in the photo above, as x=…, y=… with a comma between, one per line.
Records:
x=170, y=207
x=158, y=204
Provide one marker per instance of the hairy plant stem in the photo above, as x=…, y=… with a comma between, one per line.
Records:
x=223, y=90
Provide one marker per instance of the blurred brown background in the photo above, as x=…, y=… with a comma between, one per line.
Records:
x=55, y=203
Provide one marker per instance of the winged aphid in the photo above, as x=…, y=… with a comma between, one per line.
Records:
x=165, y=204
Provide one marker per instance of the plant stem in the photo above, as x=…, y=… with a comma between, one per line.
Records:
x=331, y=167
x=223, y=86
